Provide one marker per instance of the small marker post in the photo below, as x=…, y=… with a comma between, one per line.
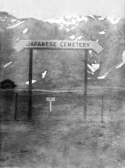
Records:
x=102, y=110
x=85, y=85
x=50, y=106
x=30, y=84
x=50, y=99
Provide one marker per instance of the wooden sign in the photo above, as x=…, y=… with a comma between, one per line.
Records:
x=50, y=99
x=58, y=44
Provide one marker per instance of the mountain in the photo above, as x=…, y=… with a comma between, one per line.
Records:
x=64, y=69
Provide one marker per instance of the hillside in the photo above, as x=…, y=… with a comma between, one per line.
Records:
x=64, y=69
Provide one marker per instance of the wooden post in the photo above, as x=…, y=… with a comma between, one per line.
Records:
x=50, y=106
x=30, y=84
x=85, y=85
x=16, y=106
x=102, y=109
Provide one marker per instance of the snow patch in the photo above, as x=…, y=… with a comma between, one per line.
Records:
x=68, y=16
x=79, y=38
x=101, y=18
x=73, y=28
x=10, y=27
x=6, y=65
x=13, y=20
x=90, y=51
x=85, y=19
x=72, y=20
x=123, y=56
x=96, y=66
x=92, y=16
x=90, y=67
x=102, y=77
x=123, y=60
x=44, y=74
x=90, y=72
x=113, y=20
x=67, y=30
x=55, y=20
x=93, y=67
x=72, y=37
x=120, y=65
x=80, y=19
x=25, y=30
x=33, y=81
x=102, y=32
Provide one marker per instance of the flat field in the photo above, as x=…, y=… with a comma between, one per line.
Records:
x=61, y=139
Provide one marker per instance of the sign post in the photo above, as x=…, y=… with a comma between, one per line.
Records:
x=57, y=45
x=50, y=99
x=102, y=109
x=30, y=84
x=16, y=106
x=85, y=84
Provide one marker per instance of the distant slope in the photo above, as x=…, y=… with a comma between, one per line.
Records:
x=64, y=68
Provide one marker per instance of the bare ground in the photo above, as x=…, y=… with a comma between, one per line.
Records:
x=62, y=140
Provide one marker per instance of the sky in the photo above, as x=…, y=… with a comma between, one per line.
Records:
x=48, y=9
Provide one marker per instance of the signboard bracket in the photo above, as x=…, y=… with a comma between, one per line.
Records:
x=30, y=83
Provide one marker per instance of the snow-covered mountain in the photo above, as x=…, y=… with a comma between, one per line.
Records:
x=62, y=67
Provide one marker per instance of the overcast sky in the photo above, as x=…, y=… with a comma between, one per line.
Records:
x=46, y=9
